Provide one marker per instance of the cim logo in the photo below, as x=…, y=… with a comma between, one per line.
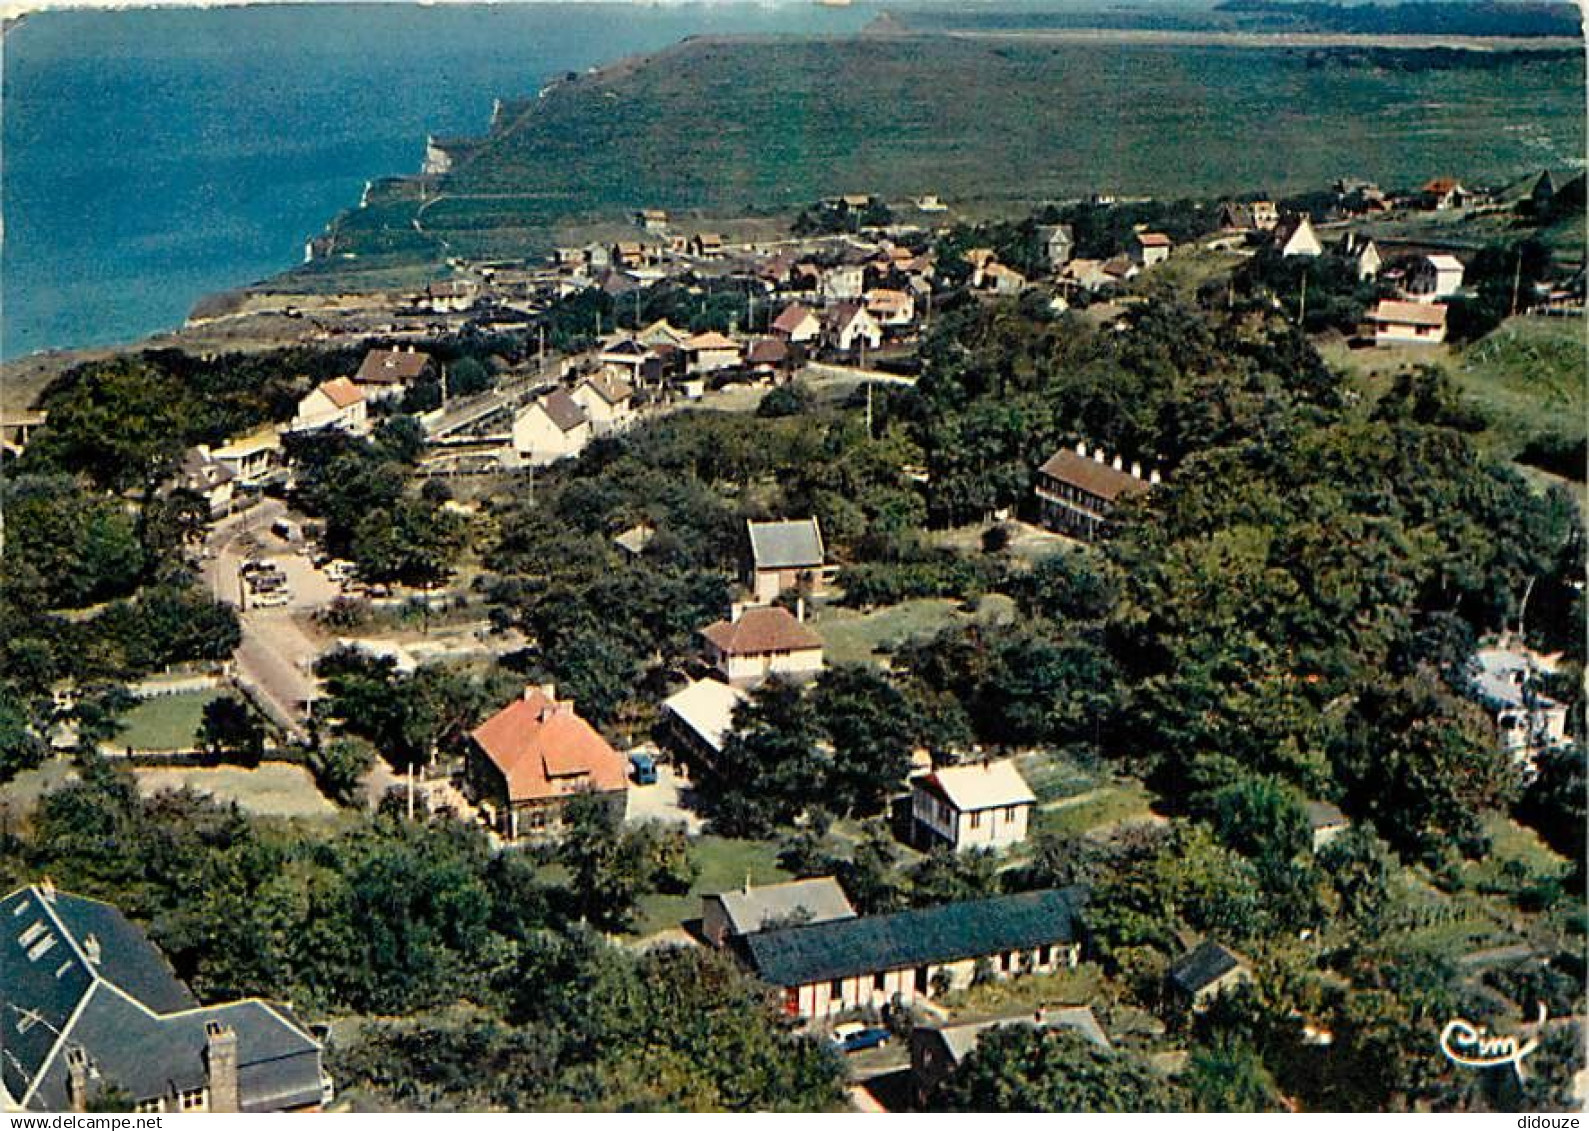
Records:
x=1473, y=1045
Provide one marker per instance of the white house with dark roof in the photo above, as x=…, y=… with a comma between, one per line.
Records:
x=866, y=962
x=785, y=555
x=88, y=1005
x=729, y=914
x=608, y=402
x=756, y=643
x=550, y=428
x=977, y=805
x=797, y=323
x=1295, y=236
x=1434, y=277
x=385, y=374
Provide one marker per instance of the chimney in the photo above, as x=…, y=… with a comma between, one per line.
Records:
x=1097, y=455
x=220, y=1066
x=1081, y=448
x=800, y=609
x=747, y=883
x=1118, y=465
x=1136, y=470
x=91, y=948
x=547, y=689
x=47, y=889
x=1154, y=477
x=77, y=1078
x=735, y=611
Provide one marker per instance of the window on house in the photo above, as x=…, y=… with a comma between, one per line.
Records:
x=879, y=982
x=1009, y=814
x=1045, y=955
x=192, y=1100
x=976, y=820
x=836, y=988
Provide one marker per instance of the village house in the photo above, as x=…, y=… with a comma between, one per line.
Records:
x=851, y=328
x=1325, y=822
x=710, y=352
x=1363, y=254
x=608, y=403
x=88, y=1004
x=451, y=296
x=253, y=458
x=630, y=360
x=797, y=324
x=385, y=374
x=662, y=333
x=653, y=220
x=891, y=309
x=1433, y=278
x=1442, y=194
x=1059, y=241
x=201, y=473
x=828, y=968
x=785, y=555
x=1295, y=236
x=1002, y=280
x=707, y=245
x=731, y=914
x=1393, y=323
x=756, y=643
x=1528, y=721
x=527, y=761
x=1203, y=973
x=981, y=805
x=937, y=1050
x=698, y=718
x=1248, y=216
x=842, y=283
x=550, y=428
x=1084, y=275
x=1148, y=248
x=1076, y=495
x=770, y=357
x=17, y=428
x=337, y=403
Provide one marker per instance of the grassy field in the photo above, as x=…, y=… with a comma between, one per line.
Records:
x=166, y=722
x=723, y=865
x=1097, y=811
x=274, y=789
x=850, y=637
x=733, y=126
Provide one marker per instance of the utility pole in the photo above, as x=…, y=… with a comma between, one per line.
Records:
x=540, y=352
x=1517, y=281
x=869, y=410
x=1302, y=307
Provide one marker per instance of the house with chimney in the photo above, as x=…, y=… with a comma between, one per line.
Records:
x=754, y=644
x=865, y=962
x=979, y=805
x=550, y=428
x=89, y=1007
x=1248, y=216
x=526, y=762
x=1076, y=494
x=337, y=403
x=729, y=915
x=207, y=477
x=385, y=374
x=785, y=555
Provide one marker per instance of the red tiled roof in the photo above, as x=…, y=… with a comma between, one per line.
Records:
x=761, y=630
x=341, y=392
x=1408, y=313
x=711, y=340
x=1153, y=239
x=790, y=319
x=1093, y=476
x=545, y=750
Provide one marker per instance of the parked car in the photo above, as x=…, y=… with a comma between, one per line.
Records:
x=852, y=1036
x=642, y=767
x=271, y=599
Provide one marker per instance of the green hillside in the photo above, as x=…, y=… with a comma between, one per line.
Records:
x=738, y=125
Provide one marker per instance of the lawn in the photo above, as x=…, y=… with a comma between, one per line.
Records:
x=274, y=789
x=1516, y=859
x=165, y=722
x=1097, y=811
x=723, y=865
x=1080, y=986
x=1527, y=377
x=852, y=637
x=1053, y=776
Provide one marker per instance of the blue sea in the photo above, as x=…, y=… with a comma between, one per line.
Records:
x=155, y=156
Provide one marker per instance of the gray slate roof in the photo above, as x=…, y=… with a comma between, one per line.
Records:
x=960, y=1040
x=87, y=976
x=797, y=956
x=786, y=545
x=822, y=898
x=1201, y=966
